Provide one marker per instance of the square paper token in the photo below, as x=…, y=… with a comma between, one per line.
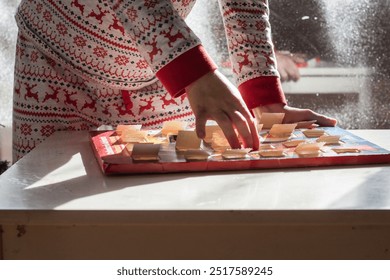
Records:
x=187, y=140
x=269, y=119
x=173, y=127
x=145, y=151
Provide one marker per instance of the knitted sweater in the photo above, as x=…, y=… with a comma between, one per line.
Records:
x=127, y=44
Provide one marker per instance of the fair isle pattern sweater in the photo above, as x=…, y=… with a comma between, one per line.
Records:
x=126, y=44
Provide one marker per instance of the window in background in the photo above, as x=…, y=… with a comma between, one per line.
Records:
x=346, y=46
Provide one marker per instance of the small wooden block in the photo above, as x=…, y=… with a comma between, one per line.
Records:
x=269, y=119
x=313, y=133
x=145, y=151
x=187, y=140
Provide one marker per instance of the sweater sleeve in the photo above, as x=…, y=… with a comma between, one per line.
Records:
x=251, y=51
x=163, y=38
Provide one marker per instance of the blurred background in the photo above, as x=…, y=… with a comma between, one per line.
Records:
x=8, y=32
x=346, y=45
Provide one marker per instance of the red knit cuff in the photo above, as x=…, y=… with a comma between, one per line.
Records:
x=262, y=91
x=185, y=69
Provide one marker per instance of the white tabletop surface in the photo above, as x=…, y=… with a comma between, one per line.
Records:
x=62, y=174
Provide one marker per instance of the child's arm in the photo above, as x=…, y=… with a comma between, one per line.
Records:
x=170, y=48
x=214, y=97
x=177, y=57
x=253, y=60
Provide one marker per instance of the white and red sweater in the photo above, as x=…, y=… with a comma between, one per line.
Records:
x=126, y=44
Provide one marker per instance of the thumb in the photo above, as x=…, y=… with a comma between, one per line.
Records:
x=200, y=126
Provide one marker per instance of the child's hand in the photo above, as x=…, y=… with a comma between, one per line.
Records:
x=287, y=65
x=293, y=115
x=213, y=97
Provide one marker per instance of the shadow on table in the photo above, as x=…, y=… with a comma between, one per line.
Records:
x=373, y=193
x=57, y=175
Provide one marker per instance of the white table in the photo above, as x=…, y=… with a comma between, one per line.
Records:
x=56, y=204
